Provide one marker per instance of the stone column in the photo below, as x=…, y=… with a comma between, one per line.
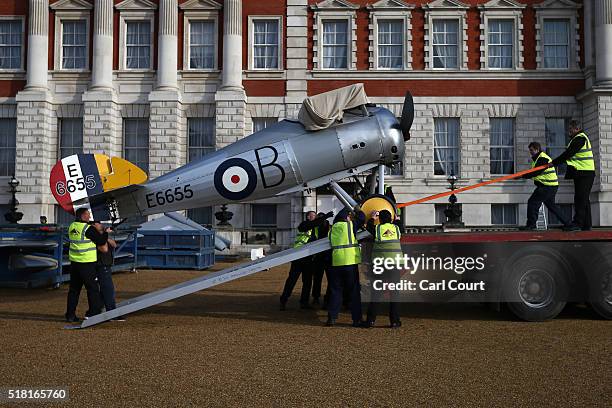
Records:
x=102, y=70
x=168, y=53
x=297, y=52
x=232, y=45
x=603, y=35
x=38, y=44
x=36, y=140
x=167, y=134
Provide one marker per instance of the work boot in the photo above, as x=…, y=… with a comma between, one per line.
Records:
x=368, y=324
x=283, y=305
x=572, y=228
x=359, y=323
x=527, y=228
x=72, y=319
x=330, y=322
x=395, y=325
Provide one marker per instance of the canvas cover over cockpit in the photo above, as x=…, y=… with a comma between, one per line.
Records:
x=323, y=110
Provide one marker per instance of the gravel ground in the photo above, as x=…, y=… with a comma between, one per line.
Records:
x=231, y=346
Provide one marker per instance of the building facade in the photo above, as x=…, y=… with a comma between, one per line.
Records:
x=161, y=82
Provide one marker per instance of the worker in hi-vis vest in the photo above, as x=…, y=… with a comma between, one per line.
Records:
x=581, y=168
x=82, y=253
x=386, y=245
x=307, y=232
x=547, y=184
x=320, y=264
x=344, y=271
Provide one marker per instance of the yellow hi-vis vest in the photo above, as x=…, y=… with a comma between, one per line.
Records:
x=549, y=176
x=387, y=241
x=82, y=249
x=583, y=160
x=345, y=248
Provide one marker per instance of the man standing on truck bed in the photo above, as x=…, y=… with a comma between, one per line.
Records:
x=547, y=184
x=581, y=168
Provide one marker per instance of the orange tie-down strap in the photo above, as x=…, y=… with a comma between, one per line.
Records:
x=473, y=186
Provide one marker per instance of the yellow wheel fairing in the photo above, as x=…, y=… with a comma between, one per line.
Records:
x=377, y=203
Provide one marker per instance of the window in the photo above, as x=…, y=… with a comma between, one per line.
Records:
x=440, y=217
x=556, y=43
x=136, y=142
x=138, y=45
x=201, y=137
x=502, y=145
x=566, y=209
x=10, y=44
x=202, y=215
x=74, y=44
x=556, y=131
x=263, y=215
x=8, y=141
x=397, y=169
x=63, y=217
x=446, y=146
x=335, y=44
x=201, y=142
x=262, y=123
x=202, y=44
x=501, y=43
x=445, y=43
x=266, y=39
x=71, y=137
x=390, y=44
x=504, y=214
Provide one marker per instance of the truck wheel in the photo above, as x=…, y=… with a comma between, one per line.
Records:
x=600, y=290
x=536, y=288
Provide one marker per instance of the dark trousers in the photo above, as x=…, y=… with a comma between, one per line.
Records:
x=107, y=289
x=376, y=303
x=344, y=277
x=83, y=274
x=546, y=195
x=304, y=267
x=582, y=201
x=320, y=266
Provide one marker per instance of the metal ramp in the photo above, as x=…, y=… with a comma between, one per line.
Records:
x=212, y=279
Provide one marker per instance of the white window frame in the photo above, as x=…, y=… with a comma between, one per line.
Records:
x=491, y=146
x=446, y=10
x=22, y=45
x=502, y=10
x=59, y=43
x=334, y=10
x=558, y=10
x=391, y=10
x=135, y=10
x=251, y=43
x=459, y=147
x=196, y=17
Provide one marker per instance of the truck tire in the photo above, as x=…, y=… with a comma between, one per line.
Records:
x=600, y=288
x=535, y=287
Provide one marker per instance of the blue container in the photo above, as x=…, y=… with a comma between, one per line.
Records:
x=177, y=249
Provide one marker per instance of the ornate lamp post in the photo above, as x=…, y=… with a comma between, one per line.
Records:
x=224, y=216
x=13, y=216
x=453, y=210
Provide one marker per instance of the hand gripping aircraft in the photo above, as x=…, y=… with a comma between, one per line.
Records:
x=338, y=135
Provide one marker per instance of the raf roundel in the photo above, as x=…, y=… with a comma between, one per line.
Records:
x=235, y=179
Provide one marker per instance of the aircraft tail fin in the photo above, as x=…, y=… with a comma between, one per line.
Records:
x=85, y=180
